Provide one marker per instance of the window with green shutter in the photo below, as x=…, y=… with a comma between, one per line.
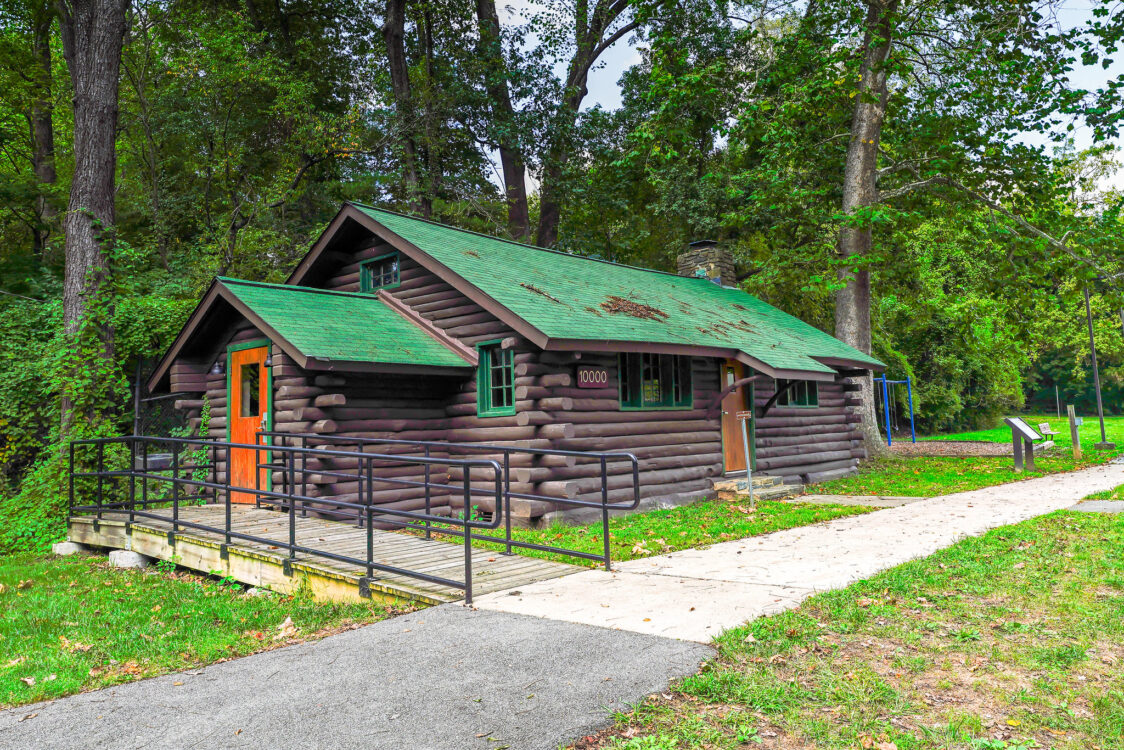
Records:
x=379, y=273
x=655, y=381
x=495, y=381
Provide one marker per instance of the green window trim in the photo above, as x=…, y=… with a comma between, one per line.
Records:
x=655, y=382
x=804, y=394
x=382, y=272
x=495, y=380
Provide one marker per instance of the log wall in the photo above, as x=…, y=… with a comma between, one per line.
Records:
x=680, y=450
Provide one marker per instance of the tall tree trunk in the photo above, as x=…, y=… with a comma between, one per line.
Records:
x=42, y=124
x=860, y=191
x=393, y=31
x=591, y=39
x=505, y=131
x=93, y=32
x=431, y=151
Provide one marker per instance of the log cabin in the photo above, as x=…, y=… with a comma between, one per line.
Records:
x=397, y=327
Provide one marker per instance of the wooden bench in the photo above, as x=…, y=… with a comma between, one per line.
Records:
x=1047, y=434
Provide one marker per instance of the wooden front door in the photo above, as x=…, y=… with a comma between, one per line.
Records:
x=739, y=399
x=248, y=412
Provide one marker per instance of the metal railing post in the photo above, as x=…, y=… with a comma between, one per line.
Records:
x=605, y=510
x=428, y=498
x=175, y=487
x=144, y=474
x=226, y=482
x=467, y=538
x=370, y=494
x=304, y=473
x=507, y=498
x=370, y=535
x=292, y=511
x=70, y=493
x=214, y=471
x=132, y=479
x=101, y=480
x=257, y=471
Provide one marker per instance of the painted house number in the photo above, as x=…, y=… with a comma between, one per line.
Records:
x=593, y=377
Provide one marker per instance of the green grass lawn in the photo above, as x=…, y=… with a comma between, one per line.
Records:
x=695, y=525
x=1011, y=640
x=1090, y=431
x=73, y=624
x=930, y=476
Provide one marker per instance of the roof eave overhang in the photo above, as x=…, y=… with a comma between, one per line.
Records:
x=850, y=364
x=193, y=321
x=219, y=291
x=325, y=364
x=586, y=345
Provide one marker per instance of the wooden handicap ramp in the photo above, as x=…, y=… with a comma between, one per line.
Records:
x=267, y=565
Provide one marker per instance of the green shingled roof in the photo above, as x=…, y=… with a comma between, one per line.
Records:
x=571, y=297
x=340, y=326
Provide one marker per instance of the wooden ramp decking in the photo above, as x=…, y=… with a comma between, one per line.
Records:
x=263, y=565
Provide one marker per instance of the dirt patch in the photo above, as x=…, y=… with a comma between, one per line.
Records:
x=619, y=305
x=950, y=448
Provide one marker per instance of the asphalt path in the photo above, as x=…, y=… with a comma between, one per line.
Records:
x=445, y=677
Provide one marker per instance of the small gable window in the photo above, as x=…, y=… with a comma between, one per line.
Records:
x=802, y=393
x=495, y=381
x=379, y=273
x=655, y=381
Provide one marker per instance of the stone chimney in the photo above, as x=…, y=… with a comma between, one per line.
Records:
x=709, y=260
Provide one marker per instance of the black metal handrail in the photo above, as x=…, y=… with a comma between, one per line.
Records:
x=365, y=470
x=504, y=509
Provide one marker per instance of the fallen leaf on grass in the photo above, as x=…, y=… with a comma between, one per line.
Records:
x=14, y=662
x=286, y=630
x=29, y=681
x=72, y=646
x=24, y=584
x=3, y=588
x=864, y=602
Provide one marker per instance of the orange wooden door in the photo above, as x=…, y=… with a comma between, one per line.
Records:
x=740, y=399
x=248, y=412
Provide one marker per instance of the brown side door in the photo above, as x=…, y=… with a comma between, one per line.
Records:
x=248, y=412
x=740, y=399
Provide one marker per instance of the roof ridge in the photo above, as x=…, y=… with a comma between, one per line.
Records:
x=296, y=287
x=516, y=242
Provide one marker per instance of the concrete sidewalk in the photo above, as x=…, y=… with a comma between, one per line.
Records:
x=696, y=594
x=445, y=678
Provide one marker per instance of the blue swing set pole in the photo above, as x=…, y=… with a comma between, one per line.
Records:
x=909, y=394
x=886, y=409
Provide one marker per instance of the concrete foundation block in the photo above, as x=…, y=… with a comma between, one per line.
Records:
x=815, y=477
x=123, y=558
x=67, y=548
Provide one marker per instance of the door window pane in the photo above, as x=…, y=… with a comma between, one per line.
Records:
x=250, y=377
